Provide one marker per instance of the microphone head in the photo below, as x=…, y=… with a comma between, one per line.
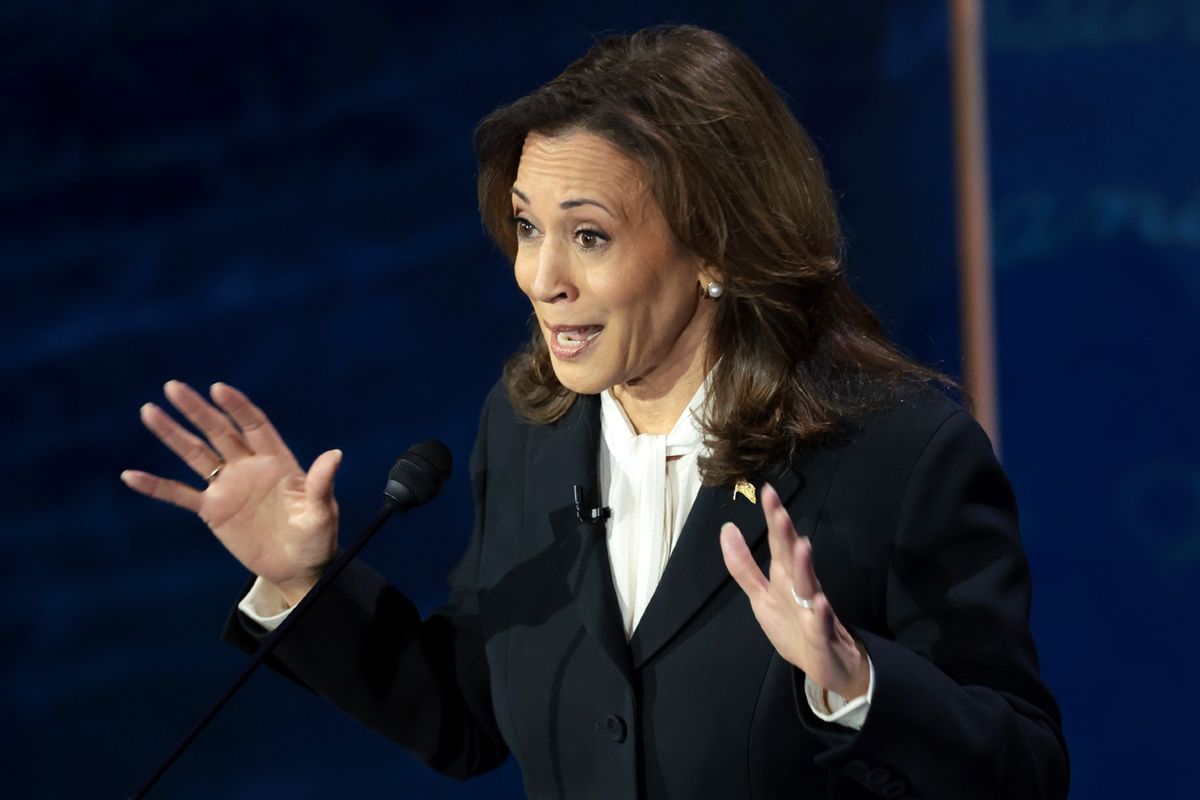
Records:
x=419, y=474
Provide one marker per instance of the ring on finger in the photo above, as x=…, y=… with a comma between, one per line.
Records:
x=212, y=476
x=803, y=602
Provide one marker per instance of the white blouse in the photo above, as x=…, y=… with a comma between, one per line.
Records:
x=649, y=482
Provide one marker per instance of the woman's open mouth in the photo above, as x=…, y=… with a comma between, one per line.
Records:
x=568, y=341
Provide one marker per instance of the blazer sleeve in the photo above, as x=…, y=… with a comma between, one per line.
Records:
x=959, y=709
x=422, y=683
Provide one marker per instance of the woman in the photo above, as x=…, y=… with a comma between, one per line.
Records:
x=811, y=583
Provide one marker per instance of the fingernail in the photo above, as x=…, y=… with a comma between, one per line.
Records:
x=125, y=477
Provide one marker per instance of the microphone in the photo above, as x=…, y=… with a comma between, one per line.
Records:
x=585, y=507
x=418, y=475
x=416, y=478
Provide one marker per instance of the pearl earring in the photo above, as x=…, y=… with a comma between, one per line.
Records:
x=714, y=290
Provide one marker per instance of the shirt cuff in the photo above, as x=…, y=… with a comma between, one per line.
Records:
x=852, y=714
x=264, y=604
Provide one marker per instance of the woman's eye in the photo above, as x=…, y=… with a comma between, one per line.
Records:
x=590, y=239
x=525, y=228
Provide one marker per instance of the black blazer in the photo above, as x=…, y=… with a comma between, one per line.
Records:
x=915, y=542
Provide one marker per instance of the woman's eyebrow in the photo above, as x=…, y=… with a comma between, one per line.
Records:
x=565, y=204
x=583, y=201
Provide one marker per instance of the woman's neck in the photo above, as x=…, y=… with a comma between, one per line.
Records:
x=654, y=404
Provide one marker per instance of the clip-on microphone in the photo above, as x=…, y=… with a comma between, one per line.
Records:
x=586, y=510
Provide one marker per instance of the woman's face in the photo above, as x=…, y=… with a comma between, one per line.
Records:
x=618, y=298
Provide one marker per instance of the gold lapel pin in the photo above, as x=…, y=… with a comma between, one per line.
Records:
x=746, y=490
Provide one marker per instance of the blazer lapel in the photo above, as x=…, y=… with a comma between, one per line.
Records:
x=566, y=455
x=696, y=568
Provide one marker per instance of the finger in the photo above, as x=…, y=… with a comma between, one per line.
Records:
x=194, y=451
x=803, y=575
x=173, y=492
x=740, y=563
x=781, y=535
x=318, y=483
x=258, y=431
x=221, y=433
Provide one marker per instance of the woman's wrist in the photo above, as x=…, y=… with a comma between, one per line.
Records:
x=860, y=681
x=293, y=592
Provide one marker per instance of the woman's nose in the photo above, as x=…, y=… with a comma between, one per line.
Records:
x=552, y=281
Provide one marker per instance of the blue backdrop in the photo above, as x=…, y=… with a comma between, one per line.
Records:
x=280, y=195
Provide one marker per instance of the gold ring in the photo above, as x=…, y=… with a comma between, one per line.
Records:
x=212, y=476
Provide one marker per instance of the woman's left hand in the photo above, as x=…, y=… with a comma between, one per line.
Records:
x=812, y=639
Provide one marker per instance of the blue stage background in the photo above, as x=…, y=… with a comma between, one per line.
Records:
x=280, y=195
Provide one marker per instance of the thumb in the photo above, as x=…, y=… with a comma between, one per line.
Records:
x=318, y=483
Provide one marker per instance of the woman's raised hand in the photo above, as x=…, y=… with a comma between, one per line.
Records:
x=277, y=520
x=791, y=608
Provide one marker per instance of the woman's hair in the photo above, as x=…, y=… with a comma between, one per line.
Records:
x=794, y=353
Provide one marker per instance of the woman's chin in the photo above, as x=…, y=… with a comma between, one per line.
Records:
x=578, y=378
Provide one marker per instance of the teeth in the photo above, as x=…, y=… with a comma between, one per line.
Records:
x=574, y=337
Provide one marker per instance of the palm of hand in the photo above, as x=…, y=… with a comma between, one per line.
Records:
x=260, y=510
x=277, y=520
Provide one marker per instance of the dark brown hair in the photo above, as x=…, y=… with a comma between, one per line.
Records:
x=794, y=353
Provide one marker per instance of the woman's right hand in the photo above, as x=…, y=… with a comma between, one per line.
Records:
x=277, y=520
